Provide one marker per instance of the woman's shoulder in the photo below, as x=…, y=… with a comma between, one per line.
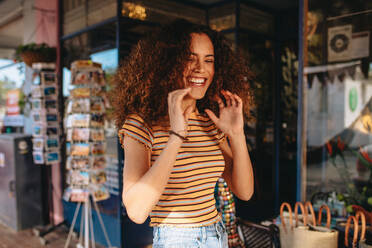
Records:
x=135, y=116
x=136, y=122
x=135, y=127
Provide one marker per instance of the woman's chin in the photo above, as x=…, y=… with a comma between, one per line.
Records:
x=196, y=94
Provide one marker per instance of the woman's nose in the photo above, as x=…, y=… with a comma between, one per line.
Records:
x=199, y=66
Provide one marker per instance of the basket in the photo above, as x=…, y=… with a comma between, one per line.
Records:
x=30, y=57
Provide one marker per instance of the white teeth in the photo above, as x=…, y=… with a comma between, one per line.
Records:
x=197, y=80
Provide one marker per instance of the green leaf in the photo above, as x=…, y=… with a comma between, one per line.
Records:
x=349, y=209
x=369, y=201
x=340, y=197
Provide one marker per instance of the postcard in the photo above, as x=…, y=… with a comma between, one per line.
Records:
x=79, y=195
x=38, y=130
x=79, y=163
x=99, y=162
x=37, y=104
x=98, y=148
x=48, y=78
x=52, y=130
x=50, y=91
x=50, y=104
x=97, y=134
x=36, y=91
x=52, y=142
x=98, y=177
x=76, y=177
x=52, y=157
x=80, y=105
x=97, y=120
x=38, y=157
x=80, y=149
x=100, y=193
x=80, y=92
x=80, y=134
x=97, y=105
x=80, y=120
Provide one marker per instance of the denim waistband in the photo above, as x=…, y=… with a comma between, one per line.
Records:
x=200, y=233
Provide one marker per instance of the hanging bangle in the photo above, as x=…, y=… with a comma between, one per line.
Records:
x=178, y=135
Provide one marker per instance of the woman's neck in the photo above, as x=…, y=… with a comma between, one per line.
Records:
x=189, y=102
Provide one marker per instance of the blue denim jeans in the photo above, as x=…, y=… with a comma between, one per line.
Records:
x=213, y=236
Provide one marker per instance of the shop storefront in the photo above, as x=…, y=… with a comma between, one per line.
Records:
x=311, y=135
x=337, y=103
x=105, y=31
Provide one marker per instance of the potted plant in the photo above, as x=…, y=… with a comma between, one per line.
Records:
x=33, y=53
x=358, y=194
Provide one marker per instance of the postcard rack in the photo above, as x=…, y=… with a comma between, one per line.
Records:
x=85, y=144
x=44, y=114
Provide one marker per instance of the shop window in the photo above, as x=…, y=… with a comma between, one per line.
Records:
x=222, y=17
x=256, y=20
x=78, y=14
x=85, y=44
x=162, y=11
x=232, y=39
x=11, y=78
x=288, y=117
x=339, y=104
x=260, y=131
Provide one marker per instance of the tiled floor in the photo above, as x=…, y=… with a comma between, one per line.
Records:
x=27, y=239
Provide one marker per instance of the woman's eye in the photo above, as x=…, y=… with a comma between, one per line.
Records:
x=209, y=61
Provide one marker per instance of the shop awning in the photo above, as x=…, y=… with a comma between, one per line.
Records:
x=11, y=27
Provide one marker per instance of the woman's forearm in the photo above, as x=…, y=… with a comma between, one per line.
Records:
x=242, y=179
x=143, y=195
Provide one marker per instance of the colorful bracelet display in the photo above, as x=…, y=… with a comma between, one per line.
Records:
x=226, y=206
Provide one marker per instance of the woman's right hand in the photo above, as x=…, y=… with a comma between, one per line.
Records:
x=177, y=117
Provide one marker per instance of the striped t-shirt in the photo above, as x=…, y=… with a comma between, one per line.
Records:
x=188, y=198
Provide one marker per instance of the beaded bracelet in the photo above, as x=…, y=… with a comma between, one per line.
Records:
x=180, y=136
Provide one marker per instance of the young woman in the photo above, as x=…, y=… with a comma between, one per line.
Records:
x=179, y=101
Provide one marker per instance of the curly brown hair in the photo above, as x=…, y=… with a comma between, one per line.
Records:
x=155, y=67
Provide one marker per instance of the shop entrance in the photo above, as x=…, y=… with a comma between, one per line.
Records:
x=265, y=34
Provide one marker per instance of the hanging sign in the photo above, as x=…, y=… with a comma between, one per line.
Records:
x=360, y=45
x=339, y=43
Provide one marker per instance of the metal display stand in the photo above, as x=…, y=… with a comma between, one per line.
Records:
x=41, y=232
x=86, y=225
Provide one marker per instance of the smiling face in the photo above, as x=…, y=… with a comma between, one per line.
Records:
x=199, y=72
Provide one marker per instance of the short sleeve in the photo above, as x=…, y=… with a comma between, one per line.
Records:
x=135, y=127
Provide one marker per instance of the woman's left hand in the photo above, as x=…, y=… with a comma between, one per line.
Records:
x=231, y=114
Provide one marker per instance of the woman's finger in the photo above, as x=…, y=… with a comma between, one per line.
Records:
x=238, y=100
x=212, y=116
x=229, y=98
x=223, y=92
x=177, y=95
x=179, y=91
x=182, y=93
x=221, y=105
